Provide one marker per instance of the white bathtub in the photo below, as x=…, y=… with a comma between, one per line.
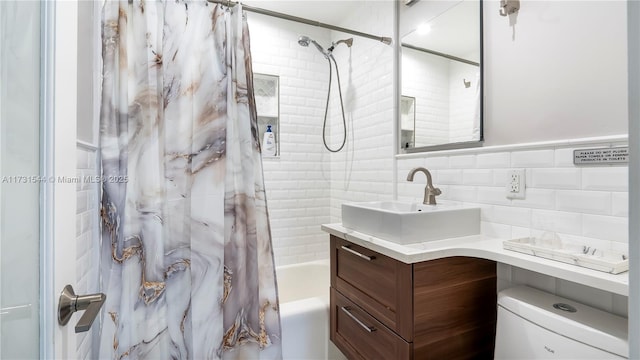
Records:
x=303, y=290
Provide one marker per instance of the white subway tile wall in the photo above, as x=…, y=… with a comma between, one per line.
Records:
x=581, y=204
x=620, y=204
x=363, y=171
x=87, y=239
x=462, y=162
x=307, y=184
x=297, y=182
x=592, y=202
x=606, y=178
x=571, y=200
x=563, y=178
x=494, y=160
x=532, y=158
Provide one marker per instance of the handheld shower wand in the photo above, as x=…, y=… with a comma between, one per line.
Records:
x=305, y=41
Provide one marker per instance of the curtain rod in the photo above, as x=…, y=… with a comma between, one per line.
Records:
x=450, y=57
x=384, y=40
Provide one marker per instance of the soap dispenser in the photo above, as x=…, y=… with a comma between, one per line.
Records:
x=269, y=143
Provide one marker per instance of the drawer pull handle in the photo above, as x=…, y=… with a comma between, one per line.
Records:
x=368, y=258
x=346, y=311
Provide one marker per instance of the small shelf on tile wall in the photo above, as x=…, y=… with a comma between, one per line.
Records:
x=267, y=95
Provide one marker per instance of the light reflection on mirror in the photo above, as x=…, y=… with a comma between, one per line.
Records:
x=441, y=71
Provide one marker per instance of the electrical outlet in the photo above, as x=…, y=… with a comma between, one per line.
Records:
x=515, y=184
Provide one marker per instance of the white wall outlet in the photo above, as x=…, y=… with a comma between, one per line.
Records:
x=515, y=184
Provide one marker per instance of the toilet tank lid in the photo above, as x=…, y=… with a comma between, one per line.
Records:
x=587, y=325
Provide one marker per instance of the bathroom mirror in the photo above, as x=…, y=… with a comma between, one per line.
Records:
x=441, y=53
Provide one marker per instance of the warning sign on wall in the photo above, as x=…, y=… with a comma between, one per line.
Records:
x=602, y=156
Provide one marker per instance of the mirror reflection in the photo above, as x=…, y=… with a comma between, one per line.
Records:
x=441, y=72
x=407, y=121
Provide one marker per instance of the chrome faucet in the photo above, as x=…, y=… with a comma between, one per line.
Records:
x=430, y=192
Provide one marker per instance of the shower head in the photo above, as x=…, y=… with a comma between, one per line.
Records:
x=305, y=41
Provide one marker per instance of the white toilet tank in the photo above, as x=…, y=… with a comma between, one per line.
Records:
x=536, y=325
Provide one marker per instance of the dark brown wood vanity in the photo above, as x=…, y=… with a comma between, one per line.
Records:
x=382, y=308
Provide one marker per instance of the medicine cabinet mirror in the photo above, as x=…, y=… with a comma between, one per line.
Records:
x=267, y=95
x=441, y=70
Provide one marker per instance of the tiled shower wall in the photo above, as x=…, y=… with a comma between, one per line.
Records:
x=306, y=182
x=583, y=204
x=296, y=182
x=363, y=171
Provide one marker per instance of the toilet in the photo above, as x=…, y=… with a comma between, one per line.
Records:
x=536, y=325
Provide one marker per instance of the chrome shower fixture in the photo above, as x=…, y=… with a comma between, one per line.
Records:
x=305, y=41
x=347, y=42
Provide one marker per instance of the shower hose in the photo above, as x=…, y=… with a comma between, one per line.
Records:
x=326, y=109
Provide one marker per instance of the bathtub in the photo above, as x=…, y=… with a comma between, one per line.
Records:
x=303, y=291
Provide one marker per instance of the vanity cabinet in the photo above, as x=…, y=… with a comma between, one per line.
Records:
x=382, y=308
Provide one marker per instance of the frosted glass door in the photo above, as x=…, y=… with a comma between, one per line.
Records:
x=19, y=179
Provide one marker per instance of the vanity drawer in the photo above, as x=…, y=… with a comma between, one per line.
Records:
x=360, y=336
x=379, y=284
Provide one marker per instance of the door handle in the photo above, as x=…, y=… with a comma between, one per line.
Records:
x=70, y=303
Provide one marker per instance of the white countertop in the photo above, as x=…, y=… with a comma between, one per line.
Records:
x=483, y=247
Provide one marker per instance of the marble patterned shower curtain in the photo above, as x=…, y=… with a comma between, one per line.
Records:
x=187, y=262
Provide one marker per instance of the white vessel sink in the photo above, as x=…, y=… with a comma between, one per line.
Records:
x=408, y=223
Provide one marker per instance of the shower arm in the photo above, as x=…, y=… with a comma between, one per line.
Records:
x=347, y=42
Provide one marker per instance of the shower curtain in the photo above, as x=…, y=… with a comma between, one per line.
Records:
x=187, y=262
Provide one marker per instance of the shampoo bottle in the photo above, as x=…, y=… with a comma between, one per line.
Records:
x=269, y=143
